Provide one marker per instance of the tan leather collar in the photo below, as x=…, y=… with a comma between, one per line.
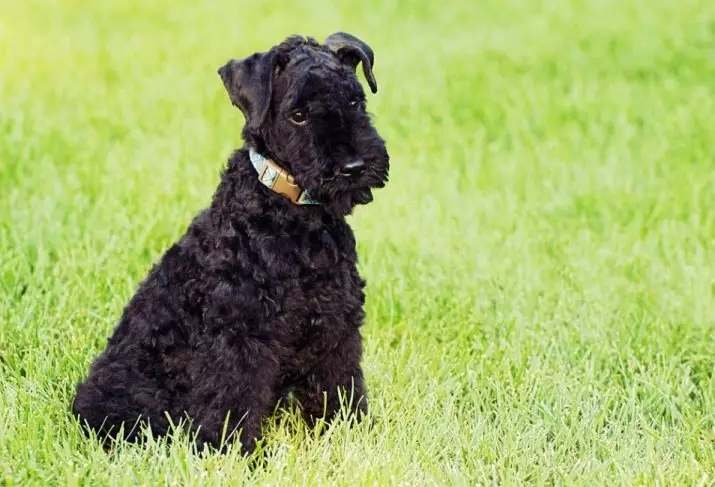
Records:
x=279, y=180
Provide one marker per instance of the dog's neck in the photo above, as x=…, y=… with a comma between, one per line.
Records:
x=279, y=180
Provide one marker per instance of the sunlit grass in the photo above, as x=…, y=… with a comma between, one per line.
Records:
x=541, y=267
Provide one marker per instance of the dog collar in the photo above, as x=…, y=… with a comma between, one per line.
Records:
x=279, y=180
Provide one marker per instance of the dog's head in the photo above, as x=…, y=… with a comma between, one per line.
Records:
x=305, y=109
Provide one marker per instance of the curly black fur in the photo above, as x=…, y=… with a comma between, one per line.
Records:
x=260, y=296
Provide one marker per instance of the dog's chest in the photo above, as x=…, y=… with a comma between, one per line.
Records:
x=326, y=248
x=327, y=296
x=302, y=251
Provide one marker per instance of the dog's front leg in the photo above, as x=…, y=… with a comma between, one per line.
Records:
x=237, y=392
x=335, y=379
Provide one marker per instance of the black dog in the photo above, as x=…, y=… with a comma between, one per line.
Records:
x=261, y=296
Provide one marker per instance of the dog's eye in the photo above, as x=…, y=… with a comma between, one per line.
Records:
x=299, y=117
x=357, y=104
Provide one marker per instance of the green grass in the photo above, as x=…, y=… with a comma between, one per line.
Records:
x=541, y=267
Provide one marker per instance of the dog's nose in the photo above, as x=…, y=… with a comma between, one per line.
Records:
x=353, y=168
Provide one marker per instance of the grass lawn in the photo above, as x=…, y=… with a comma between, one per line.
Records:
x=541, y=267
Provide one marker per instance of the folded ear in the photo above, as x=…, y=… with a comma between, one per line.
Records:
x=248, y=82
x=351, y=51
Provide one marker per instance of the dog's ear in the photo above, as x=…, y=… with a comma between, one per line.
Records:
x=248, y=82
x=351, y=51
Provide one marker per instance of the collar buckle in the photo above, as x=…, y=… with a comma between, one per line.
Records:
x=279, y=180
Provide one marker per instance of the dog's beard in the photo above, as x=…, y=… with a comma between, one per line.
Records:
x=341, y=196
x=363, y=196
x=341, y=203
